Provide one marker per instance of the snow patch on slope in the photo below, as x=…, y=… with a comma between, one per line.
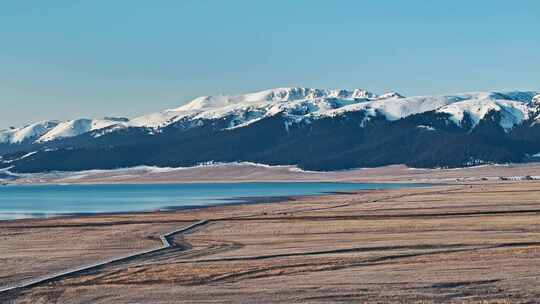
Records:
x=536, y=100
x=16, y=159
x=427, y=128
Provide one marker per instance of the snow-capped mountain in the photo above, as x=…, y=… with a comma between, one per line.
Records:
x=72, y=128
x=29, y=132
x=316, y=103
x=298, y=104
x=54, y=130
x=313, y=128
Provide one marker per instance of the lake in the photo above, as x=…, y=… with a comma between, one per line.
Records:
x=25, y=201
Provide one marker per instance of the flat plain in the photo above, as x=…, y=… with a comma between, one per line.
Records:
x=469, y=242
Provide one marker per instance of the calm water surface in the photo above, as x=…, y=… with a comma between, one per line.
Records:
x=23, y=201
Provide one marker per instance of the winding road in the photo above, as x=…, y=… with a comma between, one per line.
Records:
x=166, y=240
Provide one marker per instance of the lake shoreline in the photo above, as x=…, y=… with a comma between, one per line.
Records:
x=154, y=198
x=166, y=209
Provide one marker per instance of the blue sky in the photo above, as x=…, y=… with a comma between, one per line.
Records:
x=68, y=59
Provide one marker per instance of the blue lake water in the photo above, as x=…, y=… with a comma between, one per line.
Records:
x=23, y=201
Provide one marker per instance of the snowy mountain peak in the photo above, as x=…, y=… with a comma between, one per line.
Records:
x=299, y=93
x=271, y=96
x=513, y=106
x=32, y=131
x=77, y=127
x=269, y=101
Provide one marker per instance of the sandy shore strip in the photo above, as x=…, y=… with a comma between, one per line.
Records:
x=249, y=172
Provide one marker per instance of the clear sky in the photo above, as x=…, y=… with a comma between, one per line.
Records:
x=68, y=59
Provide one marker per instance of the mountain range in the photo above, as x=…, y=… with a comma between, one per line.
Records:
x=316, y=129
